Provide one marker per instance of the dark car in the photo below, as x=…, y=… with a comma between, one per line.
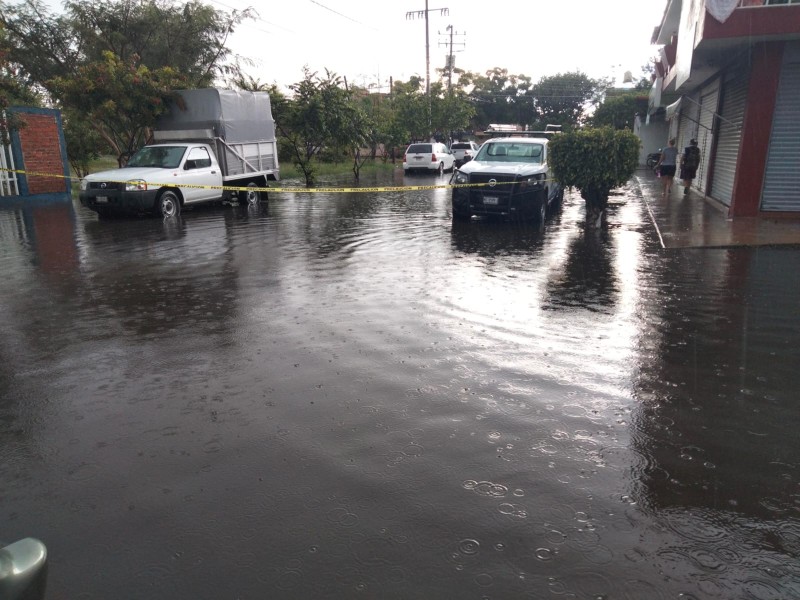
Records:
x=508, y=178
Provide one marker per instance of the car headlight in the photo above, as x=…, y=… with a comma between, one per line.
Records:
x=136, y=185
x=531, y=180
x=84, y=185
x=461, y=177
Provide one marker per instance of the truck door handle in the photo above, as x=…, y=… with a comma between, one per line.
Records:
x=213, y=172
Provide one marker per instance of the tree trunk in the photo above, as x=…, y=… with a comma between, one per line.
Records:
x=596, y=204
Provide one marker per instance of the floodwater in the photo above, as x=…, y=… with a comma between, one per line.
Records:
x=349, y=396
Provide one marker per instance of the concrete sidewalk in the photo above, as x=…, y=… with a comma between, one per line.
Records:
x=692, y=221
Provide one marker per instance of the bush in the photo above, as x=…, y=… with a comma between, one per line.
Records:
x=594, y=161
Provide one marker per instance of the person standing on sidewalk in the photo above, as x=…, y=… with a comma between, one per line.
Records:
x=666, y=166
x=689, y=163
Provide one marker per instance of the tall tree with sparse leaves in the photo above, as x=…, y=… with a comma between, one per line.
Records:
x=320, y=114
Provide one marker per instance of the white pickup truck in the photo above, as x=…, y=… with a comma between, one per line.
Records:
x=214, y=139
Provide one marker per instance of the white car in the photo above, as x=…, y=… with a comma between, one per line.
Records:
x=428, y=157
x=464, y=151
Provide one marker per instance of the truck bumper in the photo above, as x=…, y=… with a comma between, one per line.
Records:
x=500, y=202
x=118, y=201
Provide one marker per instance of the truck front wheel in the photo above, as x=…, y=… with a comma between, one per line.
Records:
x=168, y=204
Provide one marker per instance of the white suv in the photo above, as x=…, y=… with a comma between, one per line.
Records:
x=464, y=151
x=428, y=157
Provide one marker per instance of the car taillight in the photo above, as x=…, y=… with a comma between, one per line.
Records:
x=405, y=157
x=433, y=158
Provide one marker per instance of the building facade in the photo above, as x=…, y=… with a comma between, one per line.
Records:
x=729, y=77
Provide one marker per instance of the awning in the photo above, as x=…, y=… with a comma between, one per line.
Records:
x=673, y=108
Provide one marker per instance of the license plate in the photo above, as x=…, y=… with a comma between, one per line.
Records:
x=101, y=199
x=490, y=200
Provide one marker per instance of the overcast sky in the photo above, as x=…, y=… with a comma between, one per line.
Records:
x=370, y=40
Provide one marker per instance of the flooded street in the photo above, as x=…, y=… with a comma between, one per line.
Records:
x=351, y=396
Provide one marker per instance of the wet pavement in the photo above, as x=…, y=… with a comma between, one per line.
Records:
x=351, y=396
x=692, y=221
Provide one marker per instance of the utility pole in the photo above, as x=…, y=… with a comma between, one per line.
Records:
x=417, y=14
x=450, y=58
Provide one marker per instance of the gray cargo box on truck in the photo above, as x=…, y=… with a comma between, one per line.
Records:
x=237, y=124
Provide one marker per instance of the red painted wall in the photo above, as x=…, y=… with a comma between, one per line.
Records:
x=756, y=129
x=41, y=150
x=749, y=22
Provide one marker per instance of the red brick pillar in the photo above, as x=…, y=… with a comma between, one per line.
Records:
x=40, y=143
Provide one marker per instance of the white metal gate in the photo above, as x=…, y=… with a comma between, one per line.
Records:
x=9, y=185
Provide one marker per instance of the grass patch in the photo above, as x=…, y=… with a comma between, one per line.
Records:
x=323, y=169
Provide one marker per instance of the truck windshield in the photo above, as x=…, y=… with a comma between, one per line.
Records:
x=163, y=157
x=511, y=152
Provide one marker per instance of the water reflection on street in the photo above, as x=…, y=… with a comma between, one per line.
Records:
x=351, y=396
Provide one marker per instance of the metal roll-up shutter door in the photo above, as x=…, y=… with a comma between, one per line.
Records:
x=782, y=177
x=734, y=97
x=705, y=134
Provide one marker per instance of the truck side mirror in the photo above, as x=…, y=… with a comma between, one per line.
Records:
x=23, y=570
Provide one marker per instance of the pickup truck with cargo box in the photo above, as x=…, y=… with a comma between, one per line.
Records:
x=208, y=140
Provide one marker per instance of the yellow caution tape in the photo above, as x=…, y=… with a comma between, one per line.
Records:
x=317, y=190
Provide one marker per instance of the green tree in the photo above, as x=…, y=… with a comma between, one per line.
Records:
x=594, y=161
x=40, y=44
x=390, y=131
x=321, y=114
x=362, y=132
x=84, y=143
x=12, y=91
x=498, y=97
x=564, y=99
x=410, y=106
x=190, y=38
x=122, y=53
x=618, y=112
x=452, y=111
x=620, y=106
x=422, y=118
x=119, y=100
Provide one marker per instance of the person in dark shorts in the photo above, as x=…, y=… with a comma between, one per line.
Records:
x=667, y=165
x=689, y=163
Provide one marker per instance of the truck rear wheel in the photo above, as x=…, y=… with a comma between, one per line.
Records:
x=168, y=204
x=251, y=196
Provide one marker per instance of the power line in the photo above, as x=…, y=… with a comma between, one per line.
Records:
x=341, y=15
x=257, y=18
